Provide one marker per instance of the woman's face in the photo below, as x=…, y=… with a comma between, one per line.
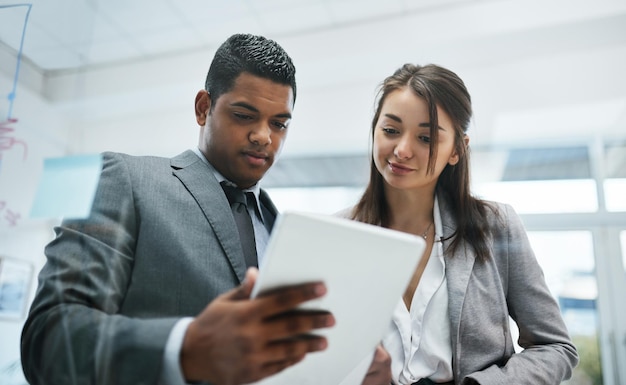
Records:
x=402, y=140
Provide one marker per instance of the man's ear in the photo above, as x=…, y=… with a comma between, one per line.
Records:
x=454, y=159
x=202, y=106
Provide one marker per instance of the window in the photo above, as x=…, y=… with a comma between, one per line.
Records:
x=622, y=237
x=614, y=194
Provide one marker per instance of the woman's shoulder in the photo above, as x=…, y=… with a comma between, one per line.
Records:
x=501, y=216
x=498, y=209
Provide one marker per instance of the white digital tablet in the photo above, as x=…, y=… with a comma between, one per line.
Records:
x=365, y=268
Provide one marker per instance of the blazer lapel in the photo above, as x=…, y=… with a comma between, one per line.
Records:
x=458, y=271
x=205, y=189
x=269, y=210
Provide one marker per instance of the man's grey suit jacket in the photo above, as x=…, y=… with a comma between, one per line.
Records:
x=160, y=244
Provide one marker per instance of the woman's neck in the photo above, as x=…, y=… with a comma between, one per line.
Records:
x=410, y=211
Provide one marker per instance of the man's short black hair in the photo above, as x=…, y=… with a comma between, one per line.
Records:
x=253, y=54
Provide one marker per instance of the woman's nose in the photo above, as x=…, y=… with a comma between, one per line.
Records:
x=403, y=149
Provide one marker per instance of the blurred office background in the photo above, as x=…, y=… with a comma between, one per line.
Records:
x=547, y=79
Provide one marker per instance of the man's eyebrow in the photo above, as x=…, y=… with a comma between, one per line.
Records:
x=286, y=115
x=245, y=105
x=251, y=108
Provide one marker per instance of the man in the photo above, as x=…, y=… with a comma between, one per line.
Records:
x=123, y=296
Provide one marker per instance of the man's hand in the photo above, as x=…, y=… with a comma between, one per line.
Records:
x=236, y=340
x=379, y=372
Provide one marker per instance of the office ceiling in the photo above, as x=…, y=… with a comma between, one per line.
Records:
x=538, y=70
x=73, y=34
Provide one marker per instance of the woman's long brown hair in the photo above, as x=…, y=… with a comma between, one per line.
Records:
x=438, y=87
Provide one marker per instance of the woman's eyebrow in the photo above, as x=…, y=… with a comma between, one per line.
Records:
x=394, y=117
x=427, y=125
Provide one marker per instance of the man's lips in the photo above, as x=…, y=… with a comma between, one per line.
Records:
x=256, y=154
x=256, y=157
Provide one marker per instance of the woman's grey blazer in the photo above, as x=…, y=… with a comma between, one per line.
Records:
x=160, y=244
x=482, y=296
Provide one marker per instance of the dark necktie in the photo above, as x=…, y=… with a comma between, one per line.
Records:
x=239, y=202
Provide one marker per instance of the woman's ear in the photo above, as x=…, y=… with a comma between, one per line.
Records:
x=202, y=106
x=454, y=158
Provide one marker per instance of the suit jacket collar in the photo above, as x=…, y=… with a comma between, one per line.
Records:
x=202, y=185
x=265, y=204
x=269, y=210
x=458, y=269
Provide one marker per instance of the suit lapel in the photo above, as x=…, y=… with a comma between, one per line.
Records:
x=458, y=271
x=205, y=189
x=269, y=210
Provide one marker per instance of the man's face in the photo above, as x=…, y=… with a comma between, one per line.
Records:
x=245, y=130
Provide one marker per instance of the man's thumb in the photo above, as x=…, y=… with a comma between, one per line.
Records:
x=245, y=289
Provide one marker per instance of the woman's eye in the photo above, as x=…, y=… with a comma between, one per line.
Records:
x=390, y=130
x=424, y=138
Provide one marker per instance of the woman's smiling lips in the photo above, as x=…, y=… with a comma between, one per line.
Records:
x=398, y=168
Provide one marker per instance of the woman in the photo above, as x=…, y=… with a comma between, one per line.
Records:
x=452, y=325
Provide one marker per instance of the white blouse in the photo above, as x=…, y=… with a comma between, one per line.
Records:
x=419, y=340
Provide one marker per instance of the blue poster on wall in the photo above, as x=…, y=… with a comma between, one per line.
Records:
x=67, y=187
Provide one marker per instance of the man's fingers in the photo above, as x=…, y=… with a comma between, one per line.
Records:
x=279, y=300
x=281, y=354
x=296, y=323
x=288, y=298
x=258, y=336
x=294, y=349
